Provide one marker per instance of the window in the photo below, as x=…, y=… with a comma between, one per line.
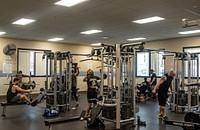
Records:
x=157, y=63
x=143, y=63
x=30, y=62
x=193, y=66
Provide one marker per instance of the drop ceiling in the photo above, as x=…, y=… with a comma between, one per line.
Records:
x=113, y=17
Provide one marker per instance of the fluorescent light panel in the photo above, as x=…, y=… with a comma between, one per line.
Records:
x=190, y=32
x=24, y=21
x=136, y=39
x=91, y=31
x=96, y=44
x=55, y=39
x=1, y=33
x=69, y=3
x=149, y=20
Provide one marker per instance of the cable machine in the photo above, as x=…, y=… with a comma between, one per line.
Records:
x=119, y=106
x=58, y=87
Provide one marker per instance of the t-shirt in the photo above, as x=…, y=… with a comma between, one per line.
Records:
x=155, y=81
x=163, y=88
x=74, y=81
x=10, y=94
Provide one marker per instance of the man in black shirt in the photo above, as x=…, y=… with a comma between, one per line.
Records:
x=91, y=88
x=14, y=93
x=74, y=84
x=163, y=86
x=153, y=81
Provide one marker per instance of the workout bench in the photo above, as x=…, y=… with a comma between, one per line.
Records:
x=54, y=121
x=5, y=104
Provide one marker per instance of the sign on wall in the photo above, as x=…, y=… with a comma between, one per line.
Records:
x=89, y=66
x=7, y=65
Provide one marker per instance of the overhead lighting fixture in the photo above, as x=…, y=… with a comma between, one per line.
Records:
x=91, y=31
x=24, y=21
x=69, y=3
x=2, y=33
x=190, y=32
x=149, y=20
x=96, y=44
x=55, y=39
x=136, y=39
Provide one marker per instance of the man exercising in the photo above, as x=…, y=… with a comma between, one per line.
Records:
x=14, y=95
x=153, y=82
x=75, y=73
x=91, y=90
x=163, y=86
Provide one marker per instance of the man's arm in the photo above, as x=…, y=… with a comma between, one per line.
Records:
x=152, y=80
x=164, y=78
x=21, y=90
x=77, y=72
x=85, y=79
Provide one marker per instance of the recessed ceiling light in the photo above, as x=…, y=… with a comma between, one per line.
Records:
x=149, y=20
x=96, y=44
x=24, y=21
x=91, y=31
x=1, y=33
x=190, y=32
x=69, y=3
x=55, y=39
x=136, y=39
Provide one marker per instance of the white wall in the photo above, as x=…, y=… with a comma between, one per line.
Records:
x=171, y=44
x=80, y=49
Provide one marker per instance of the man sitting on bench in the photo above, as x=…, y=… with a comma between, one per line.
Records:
x=14, y=93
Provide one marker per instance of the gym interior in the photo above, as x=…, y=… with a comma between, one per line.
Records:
x=100, y=64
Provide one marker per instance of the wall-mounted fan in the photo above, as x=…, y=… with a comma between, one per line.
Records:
x=9, y=49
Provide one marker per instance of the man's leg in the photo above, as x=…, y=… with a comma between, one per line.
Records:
x=75, y=96
x=88, y=108
x=15, y=99
x=25, y=98
x=161, y=104
x=162, y=110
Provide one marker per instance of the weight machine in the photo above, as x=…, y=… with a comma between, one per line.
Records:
x=58, y=89
x=179, y=99
x=119, y=99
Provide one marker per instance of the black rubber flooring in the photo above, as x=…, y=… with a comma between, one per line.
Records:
x=26, y=117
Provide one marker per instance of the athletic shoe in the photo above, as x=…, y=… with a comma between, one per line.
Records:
x=77, y=104
x=160, y=116
x=165, y=118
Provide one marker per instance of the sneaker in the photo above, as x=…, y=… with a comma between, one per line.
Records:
x=77, y=104
x=165, y=118
x=160, y=116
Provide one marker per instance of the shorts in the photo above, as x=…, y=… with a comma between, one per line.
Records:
x=92, y=95
x=162, y=99
x=15, y=99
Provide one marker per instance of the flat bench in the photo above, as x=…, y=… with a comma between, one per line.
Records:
x=5, y=104
x=53, y=121
x=183, y=124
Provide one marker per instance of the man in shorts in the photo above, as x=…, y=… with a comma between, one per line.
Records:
x=163, y=86
x=91, y=90
x=15, y=93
